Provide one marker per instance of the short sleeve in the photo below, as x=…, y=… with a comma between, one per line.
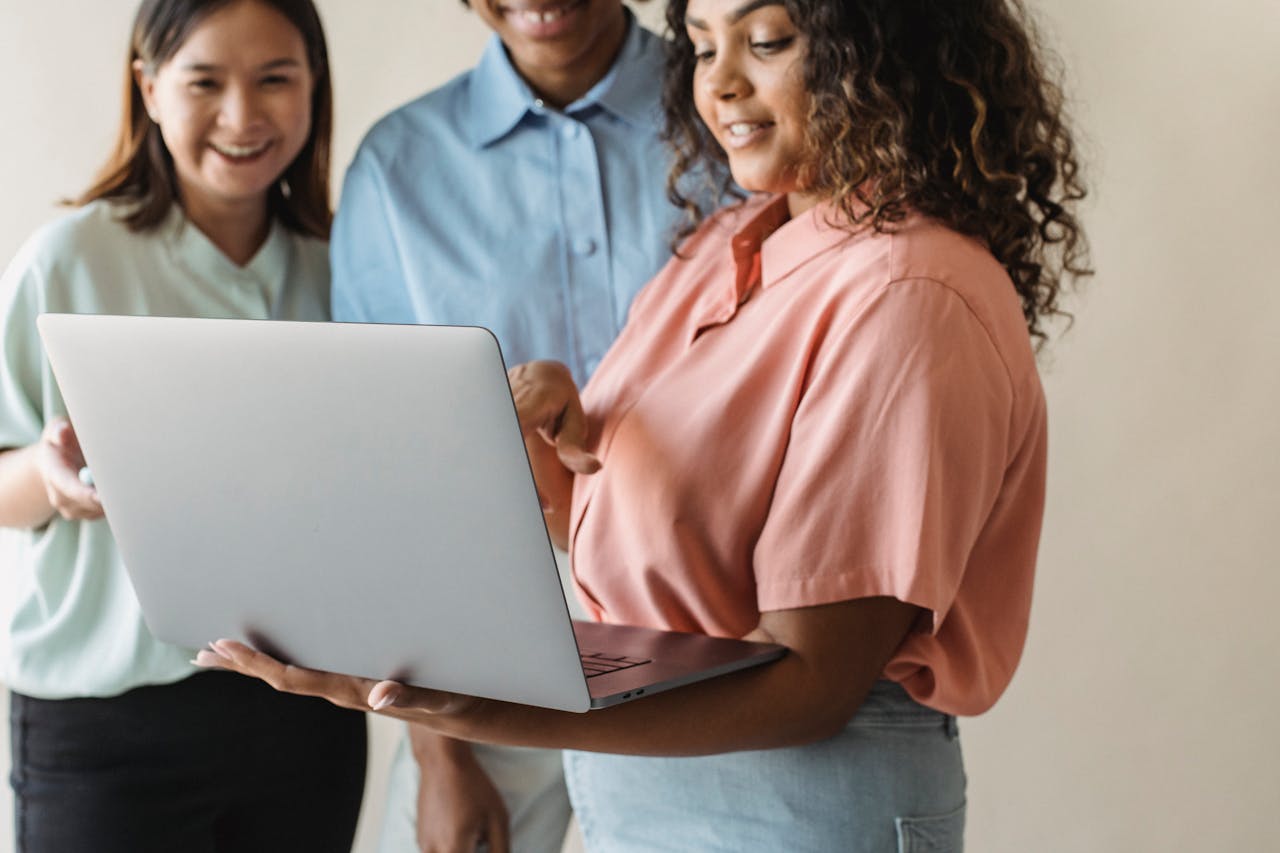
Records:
x=367, y=284
x=23, y=371
x=895, y=457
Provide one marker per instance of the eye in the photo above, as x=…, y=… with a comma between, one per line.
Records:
x=202, y=84
x=276, y=80
x=702, y=50
x=773, y=45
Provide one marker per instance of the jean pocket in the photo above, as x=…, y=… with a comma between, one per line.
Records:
x=935, y=834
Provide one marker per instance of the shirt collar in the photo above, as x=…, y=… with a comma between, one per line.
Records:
x=766, y=248
x=500, y=98
x=632, y=90
x=794, y=242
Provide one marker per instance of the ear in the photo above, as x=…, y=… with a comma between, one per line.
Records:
x=147, y=86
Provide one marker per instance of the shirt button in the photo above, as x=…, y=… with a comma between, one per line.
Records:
x=571, y=130
x=584, y=246
x=591, y=365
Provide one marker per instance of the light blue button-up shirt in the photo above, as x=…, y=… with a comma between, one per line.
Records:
x=477, y=204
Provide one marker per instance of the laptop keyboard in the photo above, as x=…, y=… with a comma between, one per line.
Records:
x=602, y=663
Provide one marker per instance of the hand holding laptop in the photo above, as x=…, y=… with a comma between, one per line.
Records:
x=61, y=465
x=347, y=691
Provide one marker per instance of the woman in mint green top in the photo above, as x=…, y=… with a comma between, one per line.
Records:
x=214, y=204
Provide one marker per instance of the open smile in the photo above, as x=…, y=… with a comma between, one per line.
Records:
x=241, y=153
x=541, y=20
x=740, y=134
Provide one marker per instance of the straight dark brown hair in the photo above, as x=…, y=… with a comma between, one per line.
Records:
x=140, y=173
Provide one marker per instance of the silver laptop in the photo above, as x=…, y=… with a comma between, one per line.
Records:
x=350, y=497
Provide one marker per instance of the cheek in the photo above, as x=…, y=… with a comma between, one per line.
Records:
x=294, y=118
x=701, y=103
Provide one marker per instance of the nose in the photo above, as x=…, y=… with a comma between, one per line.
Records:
x=241, y=108
x=725, y=80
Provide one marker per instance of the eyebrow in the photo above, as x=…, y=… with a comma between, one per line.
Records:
x=208, y=67
x=736, y=15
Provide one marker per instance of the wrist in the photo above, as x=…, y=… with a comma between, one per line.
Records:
x=427, y=746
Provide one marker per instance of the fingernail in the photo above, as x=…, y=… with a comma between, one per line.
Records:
x=386, y=699
x=218, y=647
x=206, y=659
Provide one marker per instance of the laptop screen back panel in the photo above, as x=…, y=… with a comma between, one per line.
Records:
x=320, y=466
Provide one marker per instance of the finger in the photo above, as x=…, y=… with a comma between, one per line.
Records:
x=499, y=832
x=60, y=435
x=345, y=690
x=81, y=511
x=208, y=659
x=70, y=497
x=571, y=441
x=391, y=696
x=384, y=694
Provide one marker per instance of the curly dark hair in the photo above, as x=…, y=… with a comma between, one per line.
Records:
x=945, y=107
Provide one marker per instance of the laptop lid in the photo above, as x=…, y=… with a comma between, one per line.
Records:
x=366, y=483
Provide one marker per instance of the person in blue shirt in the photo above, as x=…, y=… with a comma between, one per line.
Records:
x=527, y=195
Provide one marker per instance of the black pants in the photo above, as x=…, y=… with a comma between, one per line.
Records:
x=216, y=762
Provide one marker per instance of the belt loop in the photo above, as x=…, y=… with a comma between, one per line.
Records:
x=952, y=727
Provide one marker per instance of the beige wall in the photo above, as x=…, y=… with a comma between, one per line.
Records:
x=1142, y=718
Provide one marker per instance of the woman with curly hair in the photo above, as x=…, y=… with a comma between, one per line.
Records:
x=822, y=426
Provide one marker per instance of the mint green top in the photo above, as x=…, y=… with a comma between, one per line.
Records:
x=76, y=628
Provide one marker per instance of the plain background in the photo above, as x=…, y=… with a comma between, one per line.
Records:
x=1143, y=716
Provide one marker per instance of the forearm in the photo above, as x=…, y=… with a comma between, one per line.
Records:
x=748, y=710
x=837, y=652
x=428, y=747
x=24, y=502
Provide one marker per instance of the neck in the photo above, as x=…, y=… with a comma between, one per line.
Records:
x=560, y=86
x=798, y=203
x=238, y=228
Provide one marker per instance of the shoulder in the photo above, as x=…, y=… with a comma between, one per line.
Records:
x=944, y=271
x=84, y=238
x=652, y=47
x=96, y=226
x=425, y=118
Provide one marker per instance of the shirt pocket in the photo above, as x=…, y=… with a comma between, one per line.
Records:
x=933, y=834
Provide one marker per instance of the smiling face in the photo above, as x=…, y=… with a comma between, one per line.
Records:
x=748, y=87
x=560, y=47
x=233, y=105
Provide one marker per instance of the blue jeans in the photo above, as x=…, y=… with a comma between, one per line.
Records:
x=891, y=782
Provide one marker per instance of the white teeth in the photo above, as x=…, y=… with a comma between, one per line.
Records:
x=742, y=128
x=533, y=16
x=240, y=150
